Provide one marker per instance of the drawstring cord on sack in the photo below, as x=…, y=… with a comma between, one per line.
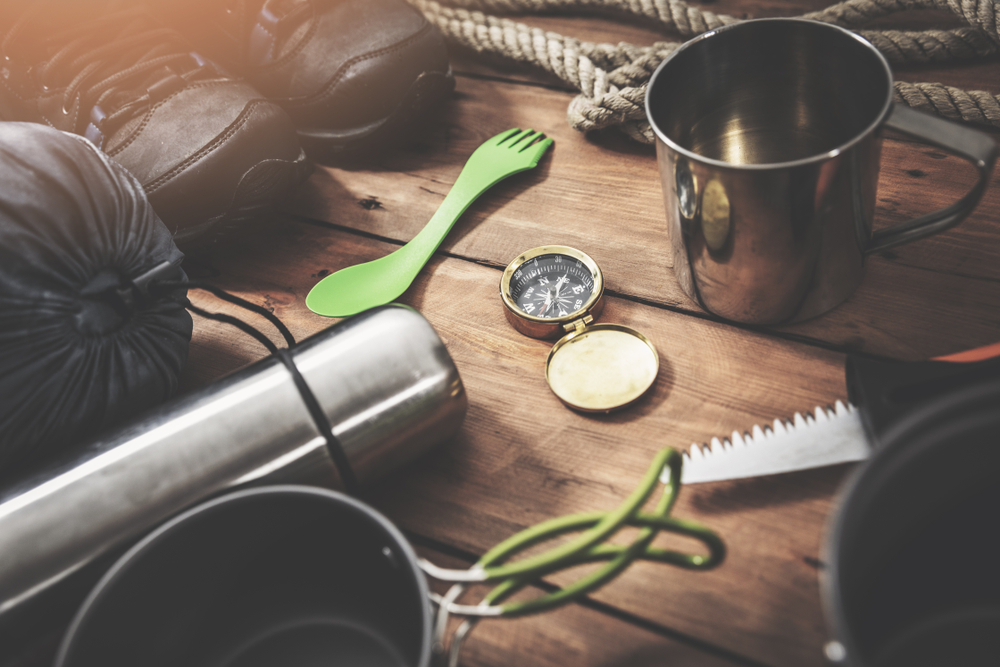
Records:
x=593, y=529
x=166, y=288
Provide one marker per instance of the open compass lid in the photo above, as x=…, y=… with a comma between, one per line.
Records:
x=557, y=290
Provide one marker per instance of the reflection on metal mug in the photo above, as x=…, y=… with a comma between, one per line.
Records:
x=768, y=143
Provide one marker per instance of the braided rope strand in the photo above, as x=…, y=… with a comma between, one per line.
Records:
x=612, y=78
x=979, y=14
x=931, y=46
x=689, y=21
x=672, y=14
x=971, y=106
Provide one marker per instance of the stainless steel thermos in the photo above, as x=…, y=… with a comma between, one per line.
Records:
x=383, y=380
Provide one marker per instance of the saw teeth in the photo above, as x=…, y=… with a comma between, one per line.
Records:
x=718, y=448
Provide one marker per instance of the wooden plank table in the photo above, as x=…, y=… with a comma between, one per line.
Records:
x=521, y=456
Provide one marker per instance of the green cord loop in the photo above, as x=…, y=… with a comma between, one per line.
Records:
x=589, y=546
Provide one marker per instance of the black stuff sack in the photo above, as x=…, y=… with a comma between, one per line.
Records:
x=82, y=346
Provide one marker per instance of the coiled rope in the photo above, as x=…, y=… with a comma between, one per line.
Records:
x=612, y=78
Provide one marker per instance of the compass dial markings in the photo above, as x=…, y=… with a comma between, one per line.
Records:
x=551, y=286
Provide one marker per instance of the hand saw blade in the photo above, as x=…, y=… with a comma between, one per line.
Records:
x=825, y=437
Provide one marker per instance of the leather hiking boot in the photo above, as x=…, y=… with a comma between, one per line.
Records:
x=352, y=74
x=207, y=148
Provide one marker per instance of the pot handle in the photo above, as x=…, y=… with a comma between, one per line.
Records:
x=888, y=391
x=594, y=529
x=977, y=147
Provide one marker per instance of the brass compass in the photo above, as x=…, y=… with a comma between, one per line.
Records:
x=557, y=290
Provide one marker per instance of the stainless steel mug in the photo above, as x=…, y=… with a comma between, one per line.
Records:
x=383, y=380
x=768, y=137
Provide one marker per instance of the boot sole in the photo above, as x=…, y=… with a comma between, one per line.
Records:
x=423, y=96
x=261, y=189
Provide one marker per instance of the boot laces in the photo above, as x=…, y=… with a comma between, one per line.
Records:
x=109, y=63
x=266, y=24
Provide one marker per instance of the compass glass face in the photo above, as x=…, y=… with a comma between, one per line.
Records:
x=551, y=286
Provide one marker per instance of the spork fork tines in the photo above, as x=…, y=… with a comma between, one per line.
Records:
x=521, y=149
x=362, y=286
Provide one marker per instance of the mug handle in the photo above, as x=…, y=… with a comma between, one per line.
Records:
x=977, y=147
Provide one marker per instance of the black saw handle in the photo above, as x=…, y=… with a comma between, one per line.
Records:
x=886, y=391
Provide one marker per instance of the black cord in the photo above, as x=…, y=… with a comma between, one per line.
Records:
x=336, y=449
x=234, y=321
x=333, y=445
x=231, y=298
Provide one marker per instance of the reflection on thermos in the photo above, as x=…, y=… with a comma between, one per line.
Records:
x=384, y=380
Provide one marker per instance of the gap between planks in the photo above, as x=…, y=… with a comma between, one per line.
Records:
x=462, y=558
x=783, y=335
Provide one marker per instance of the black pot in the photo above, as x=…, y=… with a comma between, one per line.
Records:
x=281, y=576
x=913, y=553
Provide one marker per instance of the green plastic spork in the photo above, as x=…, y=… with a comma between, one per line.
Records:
x=363, y=286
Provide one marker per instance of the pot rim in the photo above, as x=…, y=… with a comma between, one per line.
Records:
x=107, y=583
x=976, y=402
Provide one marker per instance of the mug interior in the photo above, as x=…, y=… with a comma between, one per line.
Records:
x=769, y=91
x=279, y=577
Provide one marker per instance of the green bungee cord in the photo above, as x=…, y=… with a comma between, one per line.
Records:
x=588, y=547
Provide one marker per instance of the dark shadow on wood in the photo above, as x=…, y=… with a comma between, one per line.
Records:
x=612, y=139
x=715, y=498
x=491, y=201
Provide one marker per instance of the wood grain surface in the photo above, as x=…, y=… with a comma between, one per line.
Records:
x=521, y=456
x=588, y=635
x=602, y=194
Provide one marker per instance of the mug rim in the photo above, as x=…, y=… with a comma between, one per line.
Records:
x=812, y=159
